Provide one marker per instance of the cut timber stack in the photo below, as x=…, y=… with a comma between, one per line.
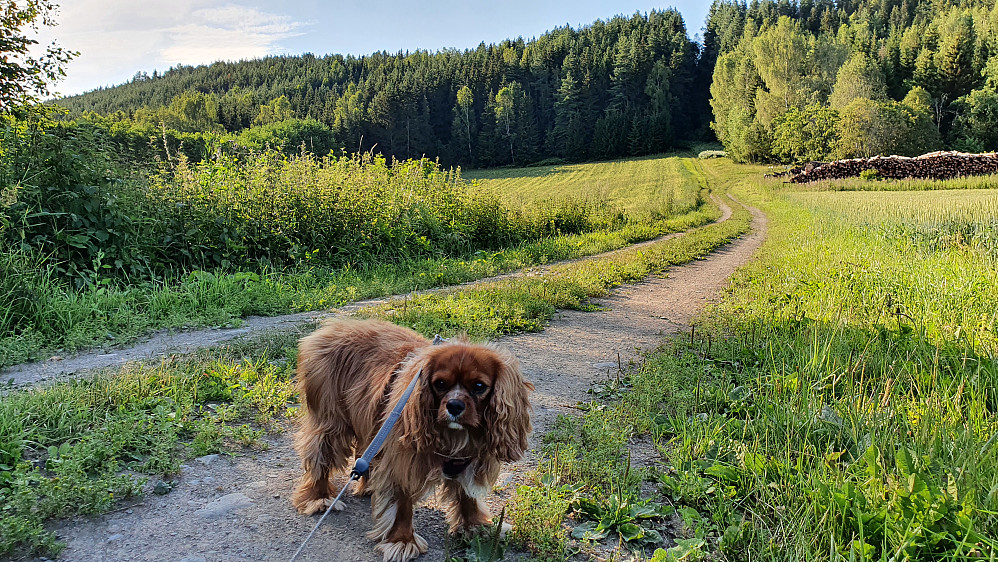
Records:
x=935, y=165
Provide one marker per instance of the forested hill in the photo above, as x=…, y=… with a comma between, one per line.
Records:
x=815, y=80
x=614, y=88
x=778, y=80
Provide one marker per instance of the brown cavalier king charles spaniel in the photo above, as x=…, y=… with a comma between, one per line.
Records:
x=468, y=414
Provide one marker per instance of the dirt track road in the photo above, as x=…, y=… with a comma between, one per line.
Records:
x=237, y=508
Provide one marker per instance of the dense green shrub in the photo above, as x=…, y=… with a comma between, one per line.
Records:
x=290, y=136
x=278, y=210
x=67, y=195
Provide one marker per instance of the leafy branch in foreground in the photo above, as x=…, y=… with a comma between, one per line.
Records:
x=25, y=79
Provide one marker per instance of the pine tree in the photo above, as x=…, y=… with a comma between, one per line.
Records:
x=659, y=114
x=955, y=59
x=566, y=134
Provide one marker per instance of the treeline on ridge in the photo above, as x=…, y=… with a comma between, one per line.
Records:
x=621, y=87
x=777, y=80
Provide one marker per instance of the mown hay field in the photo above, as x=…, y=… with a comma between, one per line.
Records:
x=652, y=187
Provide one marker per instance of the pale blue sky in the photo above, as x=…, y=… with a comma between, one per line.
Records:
x=117, y=38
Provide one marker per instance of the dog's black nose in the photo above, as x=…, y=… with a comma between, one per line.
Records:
x=455, y=407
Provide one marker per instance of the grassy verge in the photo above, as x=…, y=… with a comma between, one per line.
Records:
x=839, y=404
x=76, y=448
x=520, y=304
x=102, y=315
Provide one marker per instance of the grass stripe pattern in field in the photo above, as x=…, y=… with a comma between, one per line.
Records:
x=647, y=188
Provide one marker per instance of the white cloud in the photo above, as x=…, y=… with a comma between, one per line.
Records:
x=230, y=32
x=117, y=38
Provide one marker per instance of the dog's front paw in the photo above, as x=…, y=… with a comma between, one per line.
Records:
x=484, y=528
x=470, y=525
x=319, y=505
x=403, y=551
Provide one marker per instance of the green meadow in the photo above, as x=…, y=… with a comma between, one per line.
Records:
x=97, y=263
x=838, y=403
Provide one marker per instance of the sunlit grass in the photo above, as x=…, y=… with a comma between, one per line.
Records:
x=41, y=314
x=838, y=404
x=78, y=447
x=526, y=303
x=647, y=188
x=858, y=184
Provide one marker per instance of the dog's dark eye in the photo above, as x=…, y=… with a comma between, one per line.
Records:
x=479, y=387
x=440, y=385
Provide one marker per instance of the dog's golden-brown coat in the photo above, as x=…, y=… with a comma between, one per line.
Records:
x=467, y=415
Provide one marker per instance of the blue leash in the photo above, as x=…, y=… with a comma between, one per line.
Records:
x=363, y=464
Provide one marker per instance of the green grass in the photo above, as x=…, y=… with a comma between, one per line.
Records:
x=43, y=315
x=838, y=404
x=966, y=220
x=649, y=188
x=582, y=473
x=520, y=304
x=859, y=184
x=76, y=448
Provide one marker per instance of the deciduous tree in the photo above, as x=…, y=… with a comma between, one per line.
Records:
x=24, y=78
x=859, y=77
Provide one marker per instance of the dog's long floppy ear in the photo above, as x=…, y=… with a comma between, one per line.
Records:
x=417, y=415
x=507, y=417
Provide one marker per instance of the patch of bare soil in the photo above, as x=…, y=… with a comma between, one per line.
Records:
x=237, y=508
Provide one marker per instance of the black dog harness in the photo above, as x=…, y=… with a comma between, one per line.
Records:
x=452, y=468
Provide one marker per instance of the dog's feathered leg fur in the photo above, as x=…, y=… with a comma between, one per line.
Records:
x=392, y=510
x=351, y=373
x=324, y=450
x=464, y=495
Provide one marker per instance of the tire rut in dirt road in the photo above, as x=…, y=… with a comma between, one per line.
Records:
x=237, y=508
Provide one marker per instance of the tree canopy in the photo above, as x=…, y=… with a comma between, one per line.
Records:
x=772, y=80
x=25, y=79
x=899, y=76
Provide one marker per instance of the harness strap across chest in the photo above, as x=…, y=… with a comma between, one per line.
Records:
x=452, y=468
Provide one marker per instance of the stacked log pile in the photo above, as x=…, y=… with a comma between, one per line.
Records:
x=935, y=165
x=796, y=170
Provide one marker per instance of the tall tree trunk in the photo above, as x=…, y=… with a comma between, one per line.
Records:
x=467, y=122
